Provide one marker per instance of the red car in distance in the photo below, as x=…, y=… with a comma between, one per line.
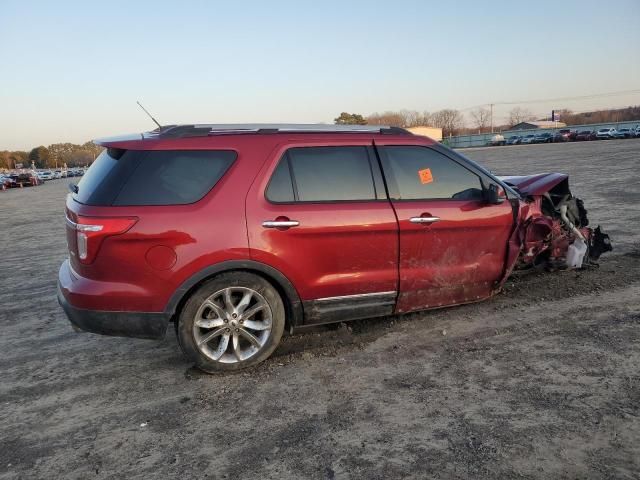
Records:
x=565, y=135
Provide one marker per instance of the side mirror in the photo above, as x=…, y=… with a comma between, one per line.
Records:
x=494, y=195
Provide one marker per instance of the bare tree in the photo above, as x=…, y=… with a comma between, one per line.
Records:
x=450, y=121
x=518, y=115
x=413, y=118
x=402, y=118
x=481, y=118
x=393, y=119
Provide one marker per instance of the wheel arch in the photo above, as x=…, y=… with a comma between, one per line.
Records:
x=290, y=297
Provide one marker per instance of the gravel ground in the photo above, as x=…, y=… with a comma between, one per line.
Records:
x=540, y=382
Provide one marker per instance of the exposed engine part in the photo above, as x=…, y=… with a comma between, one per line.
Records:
x=553, y=226
x=569, y=224
x=576, y=253
x=556, y=234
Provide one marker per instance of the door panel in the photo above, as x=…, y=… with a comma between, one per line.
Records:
x=452, y=250
x=454, y=260
x=337, y=249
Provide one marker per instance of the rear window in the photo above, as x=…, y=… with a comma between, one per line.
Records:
x=161, y=177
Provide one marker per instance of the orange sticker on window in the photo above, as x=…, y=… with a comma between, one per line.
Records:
x=425, y=176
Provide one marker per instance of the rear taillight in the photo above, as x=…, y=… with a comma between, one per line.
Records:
x=91, y=232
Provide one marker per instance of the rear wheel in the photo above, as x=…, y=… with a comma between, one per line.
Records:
x=233, y=321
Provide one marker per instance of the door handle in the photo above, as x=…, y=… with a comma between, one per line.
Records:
x=424, y=219
x=280, y=223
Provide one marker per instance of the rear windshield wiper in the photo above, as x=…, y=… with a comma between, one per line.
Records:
x=73, y=188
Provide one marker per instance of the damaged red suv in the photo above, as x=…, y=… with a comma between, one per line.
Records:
x=236, y=233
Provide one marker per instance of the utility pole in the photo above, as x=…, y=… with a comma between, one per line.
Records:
x=491, y=116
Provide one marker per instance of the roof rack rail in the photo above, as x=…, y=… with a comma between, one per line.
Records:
x=204, y=130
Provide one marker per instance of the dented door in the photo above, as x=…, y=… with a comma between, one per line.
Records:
x=452, y=243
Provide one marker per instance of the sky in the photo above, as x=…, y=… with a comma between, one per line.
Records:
x=73, y=70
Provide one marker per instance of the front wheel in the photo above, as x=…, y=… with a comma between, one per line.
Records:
x=233, y=321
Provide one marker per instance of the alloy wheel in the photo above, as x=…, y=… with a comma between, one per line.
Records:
x=232, y=325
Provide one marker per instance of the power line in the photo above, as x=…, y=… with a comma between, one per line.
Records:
x=579, y=97
x=558, y=99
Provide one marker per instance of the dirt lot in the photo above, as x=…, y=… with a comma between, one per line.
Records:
x=542, y=381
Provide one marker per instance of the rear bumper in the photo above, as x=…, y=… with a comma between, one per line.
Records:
x=119, y=324
x=116, y=323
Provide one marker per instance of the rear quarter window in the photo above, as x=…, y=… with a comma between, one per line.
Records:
x=161, y=177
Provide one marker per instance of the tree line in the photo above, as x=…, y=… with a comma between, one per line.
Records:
x=55, y=155
x=454, y=122
x=451, y=121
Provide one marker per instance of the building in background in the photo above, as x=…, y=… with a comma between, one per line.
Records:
x=540, y=124
x=431, y=132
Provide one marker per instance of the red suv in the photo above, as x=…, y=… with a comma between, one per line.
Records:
x=236, y=233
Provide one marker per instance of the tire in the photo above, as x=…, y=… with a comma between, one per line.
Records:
x=215, y=335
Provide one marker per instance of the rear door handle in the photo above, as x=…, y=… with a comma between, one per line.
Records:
x=424, y=219
x=280, y=223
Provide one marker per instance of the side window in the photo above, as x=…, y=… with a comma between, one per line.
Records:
x=420, y=173
x=322, y=174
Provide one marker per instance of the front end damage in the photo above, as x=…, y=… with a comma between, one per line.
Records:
x=552, y=225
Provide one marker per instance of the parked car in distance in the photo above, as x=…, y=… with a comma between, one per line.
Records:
x=636, y=132
x=75, y=172
x=316, y=224
x=623, y=133
x=606, y=133
x=45, y=175
x=497, y=141
x=584, y=135
x=25, y=179
x=545, y=137
x=514, y=140
x=528, y=139
x=565, y=135
x=7, y=182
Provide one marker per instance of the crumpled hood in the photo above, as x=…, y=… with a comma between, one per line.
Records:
x=535, y=184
